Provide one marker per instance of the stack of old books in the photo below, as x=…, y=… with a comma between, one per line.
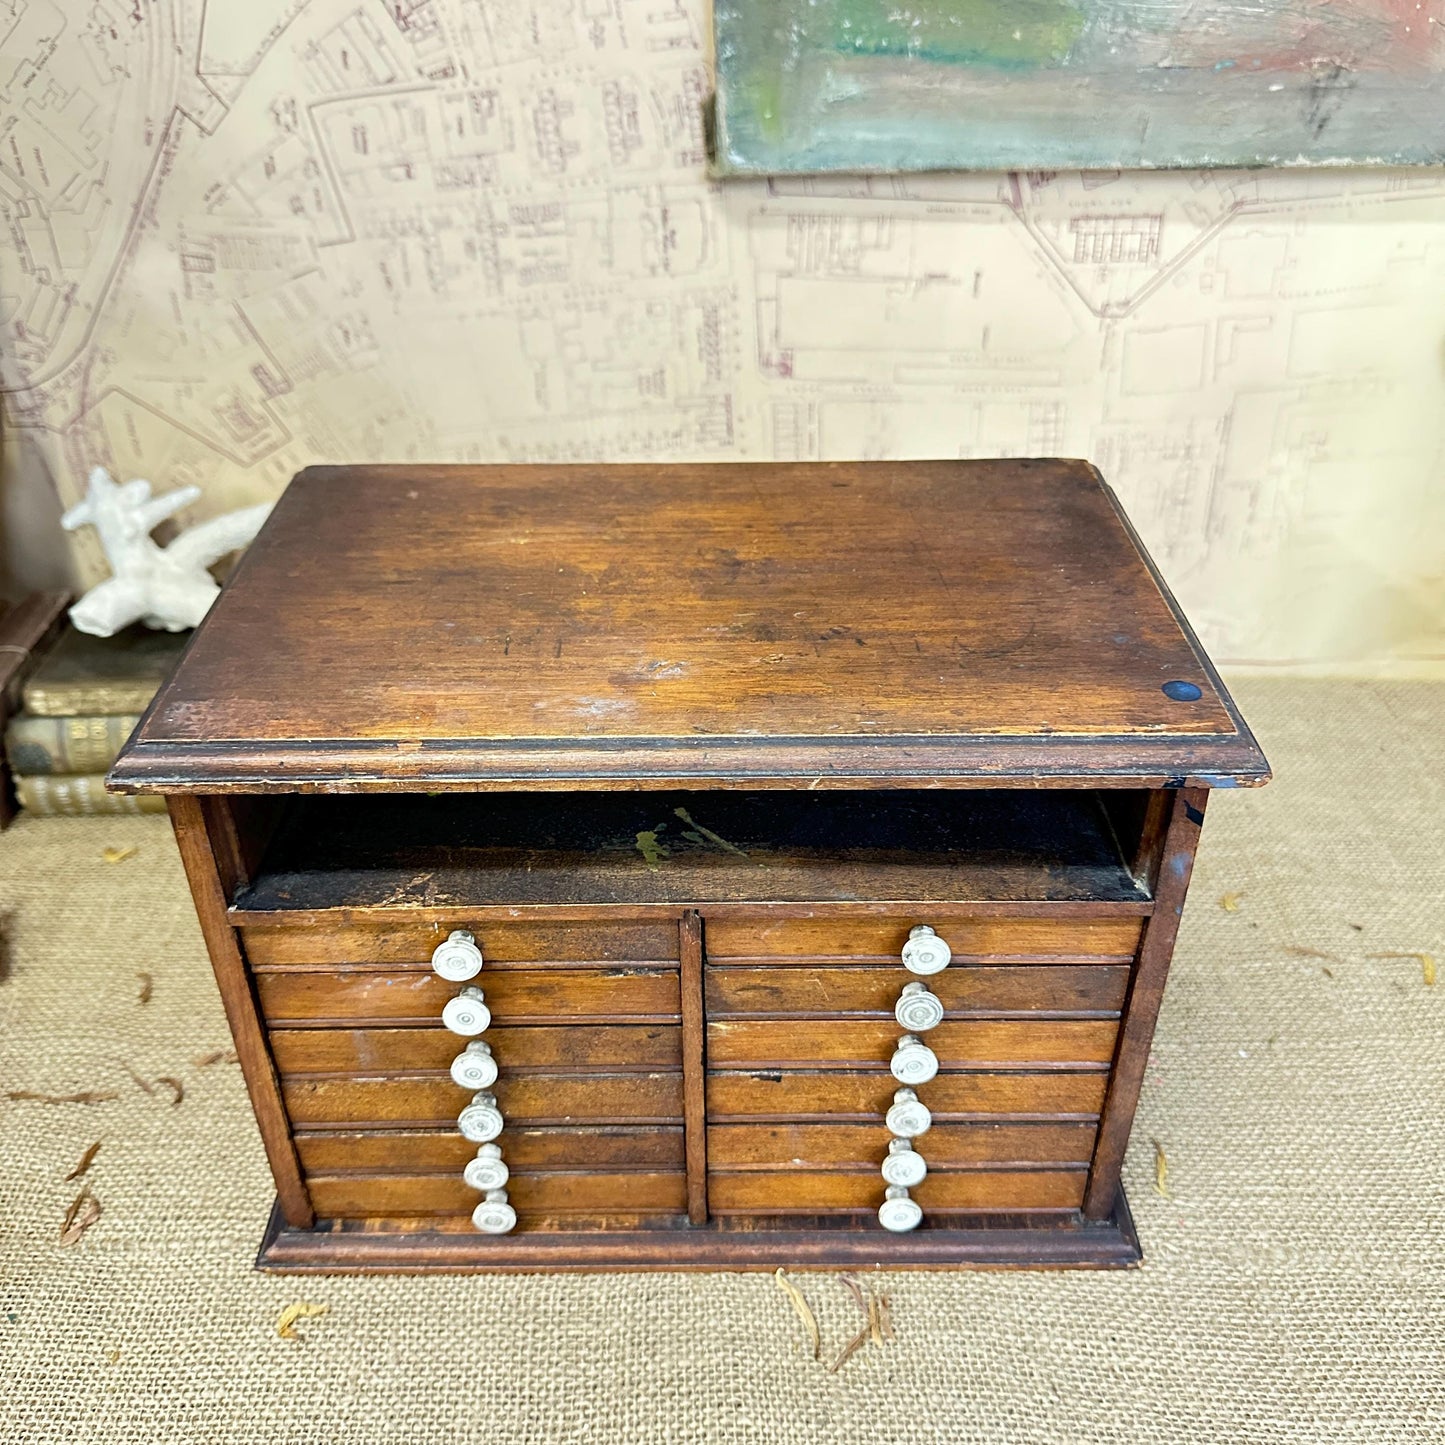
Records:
x=79, y=706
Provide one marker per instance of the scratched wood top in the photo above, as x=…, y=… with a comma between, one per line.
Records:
x=843, y=624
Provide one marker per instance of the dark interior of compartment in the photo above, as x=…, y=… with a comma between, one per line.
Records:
x=679, y=847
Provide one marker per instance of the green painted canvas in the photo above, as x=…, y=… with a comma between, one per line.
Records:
x=869, y=85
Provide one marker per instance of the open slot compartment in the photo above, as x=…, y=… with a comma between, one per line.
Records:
x=487, y=849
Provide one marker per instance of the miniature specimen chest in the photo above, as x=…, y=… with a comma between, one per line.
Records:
x=732, y=865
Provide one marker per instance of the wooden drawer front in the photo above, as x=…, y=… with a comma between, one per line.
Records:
x=406, y=941
x=332, y=998
x=800, y=1191
x=811, y=991
x=866, y=1096
x=527, y=1151
x=556, y=1099
x=363, y=1196
x=861, y=1148
x=644, y=1048
x=849, y=1044
x=873, y=939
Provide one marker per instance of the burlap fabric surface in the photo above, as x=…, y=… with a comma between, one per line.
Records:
x=1294, y=1283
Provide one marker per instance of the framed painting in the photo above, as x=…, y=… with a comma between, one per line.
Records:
x=808, y=86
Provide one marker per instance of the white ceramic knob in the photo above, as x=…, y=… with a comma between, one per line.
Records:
x=495, y=1216
x=474, y=1067
x=913, y=1062
x=908, y=1115
x=481, y=1120
x=457, y=958
x=898, y=1212
x=917, y=1009
x=467, y=1013
x=904, y=1165
x=925, y=952
x=488, y=1170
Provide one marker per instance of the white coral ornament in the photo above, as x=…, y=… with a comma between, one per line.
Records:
x=165, y=587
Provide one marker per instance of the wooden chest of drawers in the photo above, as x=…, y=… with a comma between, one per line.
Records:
x=693, y=867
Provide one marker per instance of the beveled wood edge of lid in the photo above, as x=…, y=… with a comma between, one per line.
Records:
x=1054, y=760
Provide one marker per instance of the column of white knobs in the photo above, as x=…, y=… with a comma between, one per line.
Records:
x=457, y=959
x=913, y=1062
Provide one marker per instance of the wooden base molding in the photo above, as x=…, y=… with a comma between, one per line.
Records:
x=361, y=1247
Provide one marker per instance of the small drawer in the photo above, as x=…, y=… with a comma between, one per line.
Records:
x=307, y=997
x=861, y=1148
x=526, y=1150
x=370, y=1196
x=645, y=1048
x=850, y=1044
x=408, y=941
x=419, y=1103
x=802, y=1191
x=870, y=939
x=779, y=1094
x=811, y=990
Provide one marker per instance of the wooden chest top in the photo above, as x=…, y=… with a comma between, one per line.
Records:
x=802, y=625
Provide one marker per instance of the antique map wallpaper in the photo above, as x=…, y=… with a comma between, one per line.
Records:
x=240, y=238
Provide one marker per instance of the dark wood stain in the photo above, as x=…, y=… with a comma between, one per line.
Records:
x=950, y=620
x=690, y=750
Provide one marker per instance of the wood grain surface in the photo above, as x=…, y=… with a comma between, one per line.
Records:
x=797, y=623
